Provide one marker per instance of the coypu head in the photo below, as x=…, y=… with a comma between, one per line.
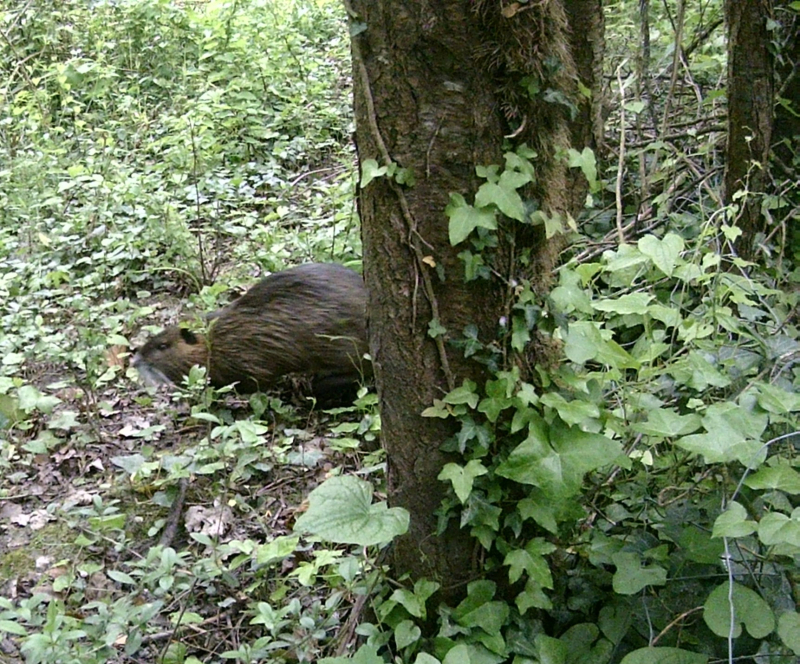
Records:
x=169, y=356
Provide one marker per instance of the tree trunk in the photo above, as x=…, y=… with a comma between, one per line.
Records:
x=750, y=115
x=786, y=134
x=437, y=88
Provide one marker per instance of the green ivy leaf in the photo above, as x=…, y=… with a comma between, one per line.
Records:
x=462, y=478
x=520, y=334
x=466, y=394
x=406, y=634
x=340, y=510
x=632, y=303
x=532, y=597
x=733, y=434
x=366, y=654
x=733, y=522
x=631, y=576
x=471, y=653
x=666, y=423
x=664, y=656
x=497, y=399
x=425, y=658
x=748, y=608
x=503, y=196
x=780, y=476
x=370, y=170
x=789, y=630
x=557, y=466
x=464, y=218
x=582, y=342
x=775, y=400
x=584, y=160
x=131, y=463
x=776, y=528
x=490, y=617
x=572, y=412
x=31, y=399
x=670, y=316
x=550, y=650
x=664, y=253
x=531, y=561
x=436, y=329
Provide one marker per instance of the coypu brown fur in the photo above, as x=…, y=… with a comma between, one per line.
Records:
x=309, y=319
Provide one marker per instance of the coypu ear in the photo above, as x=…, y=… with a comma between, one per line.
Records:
x=188, y=336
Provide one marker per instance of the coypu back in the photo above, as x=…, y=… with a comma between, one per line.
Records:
x=308, y=319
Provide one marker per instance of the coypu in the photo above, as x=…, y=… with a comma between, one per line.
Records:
x=308, y=319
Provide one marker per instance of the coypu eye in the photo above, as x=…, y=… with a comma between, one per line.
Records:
x=162, y=346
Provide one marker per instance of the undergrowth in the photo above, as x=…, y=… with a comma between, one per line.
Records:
x=624, y=503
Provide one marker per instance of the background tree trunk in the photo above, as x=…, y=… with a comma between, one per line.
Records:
x=750, y=112
x=786, y=132
x=437, y=87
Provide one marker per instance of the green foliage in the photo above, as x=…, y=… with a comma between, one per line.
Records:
x=341, y=511
x=148, y=149
x=650, y=477
x=645, y=475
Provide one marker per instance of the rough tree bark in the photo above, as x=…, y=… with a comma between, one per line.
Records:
x=786, y=132
x=750, y=112
x=437, y=90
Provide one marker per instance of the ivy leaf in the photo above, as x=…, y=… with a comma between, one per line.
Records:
x=582, y=342
x=666, y=423
x=531, y=560
x=471, y=653
x=479, y=611
x=781, y=476
x=664, y=253
x=503, y=196
x=733, y=434
x=550, y=650
x=438, y=409
x=462, y=478
x=340, y=510
x=406, y=633
x=789, y=630
x=775, y=400
x=776, y=528
x=733, y=522
x=668, y=315
x=465, y=394
x=370, y=170
x=533, y=597
x=584, y=160
x=572, y=412
x=557, y=466
x=366, y=654
x=632, y=303
x=435, y=328
x=520, y=335
x=464, y=218
x=31, y=399
x=631, y=576
x=664, y=656
x=497, y=399
x=748, y=609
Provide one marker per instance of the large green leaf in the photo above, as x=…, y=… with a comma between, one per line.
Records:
x=664, y=656
x=464, y=218
x=558, y=465
x=340, y=510
x=748, y=609
x=664, y=253
x=631, y=576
